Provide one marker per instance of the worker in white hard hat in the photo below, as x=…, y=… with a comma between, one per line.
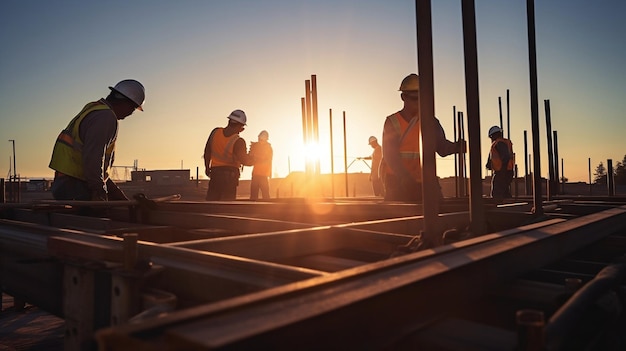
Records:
x=262, y=153
x=376, y=157
x=402, y=168
x=501, y=161
x=84, y=151
x=225, y=154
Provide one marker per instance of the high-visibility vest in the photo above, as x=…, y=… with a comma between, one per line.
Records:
x=222, y=149
x=496, y=159
x=67, y=155
x=409, y=133
x=262, y=153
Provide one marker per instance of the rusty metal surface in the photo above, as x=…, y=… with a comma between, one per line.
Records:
x=240, y=276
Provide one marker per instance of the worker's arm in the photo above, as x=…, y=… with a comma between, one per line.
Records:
x=391, y=150
x=241, y=154
x=444, y=146
x=97, y=131
x=207, y=155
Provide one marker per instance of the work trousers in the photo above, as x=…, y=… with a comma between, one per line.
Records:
x=65, y=187
x=223, y=184
x=501, y=185
x=257, y=183
x=402, y=189
x=377, y=186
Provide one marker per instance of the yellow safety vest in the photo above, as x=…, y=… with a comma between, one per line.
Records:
x=222, y=149
x=67, y=155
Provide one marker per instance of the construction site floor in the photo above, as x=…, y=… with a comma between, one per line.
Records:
x=29, y=328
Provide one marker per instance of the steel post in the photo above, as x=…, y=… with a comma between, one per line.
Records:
x=476, y=208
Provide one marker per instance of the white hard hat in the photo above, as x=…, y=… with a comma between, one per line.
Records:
x=372, y=139
x=495, y=129
x=238, y=116
x=133, y=90
x=264, y=135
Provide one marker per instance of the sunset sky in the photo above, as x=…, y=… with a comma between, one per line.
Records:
x=199, y=60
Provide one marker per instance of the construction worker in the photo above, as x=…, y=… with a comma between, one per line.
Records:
x=84, y=150
x=262, y=154
x=376, y=157
x=225, y=154
x=401, y=146
x=501, y=161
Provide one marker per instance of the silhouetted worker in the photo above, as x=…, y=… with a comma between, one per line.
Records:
x=376, y=157
x=501, y=161
x=84, y=151
x=401, y=146
x=262, y=154
x=224, y=155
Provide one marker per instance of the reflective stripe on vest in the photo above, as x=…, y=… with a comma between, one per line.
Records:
x=409, y=148
x=496, y=160
x=222, y=149
x=67, y=152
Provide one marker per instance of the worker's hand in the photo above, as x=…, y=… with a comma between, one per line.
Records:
x=207, y=171
x=461, y=146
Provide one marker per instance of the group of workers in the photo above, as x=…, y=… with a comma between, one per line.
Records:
x=225, y=154
x=84, y=152
x=396, y=170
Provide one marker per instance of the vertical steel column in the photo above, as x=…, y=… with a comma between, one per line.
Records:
x=551, y=181
x=430, y=191
x=462, y=182
x=508, y=117
x=345, y=152
x=534, y=107
x=332, y=156
x=315, y=131
x=500, y=111
x=476, y=208
x=610, y=181
x=456, y=156
x=309, y=123
x=526, y=171
x=557, y=180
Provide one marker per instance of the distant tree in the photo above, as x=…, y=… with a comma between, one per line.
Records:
x=620, y=172
x=564, y=180
x=600, y=174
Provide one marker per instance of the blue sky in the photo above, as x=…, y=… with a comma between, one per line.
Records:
x=199, y=60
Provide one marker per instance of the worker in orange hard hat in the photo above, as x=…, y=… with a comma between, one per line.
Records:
x=84, y=150
x=401, y=164
x=376, y=157
x=262, y=154
x=225, y=153
x=501, y=161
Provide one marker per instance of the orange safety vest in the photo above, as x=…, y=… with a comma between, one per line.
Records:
x=496, y=160
x=262, y=153
x=222, y=149
x=409, y=133
x=67, y=155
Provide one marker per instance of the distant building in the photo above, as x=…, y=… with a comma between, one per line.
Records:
x=162, y=177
